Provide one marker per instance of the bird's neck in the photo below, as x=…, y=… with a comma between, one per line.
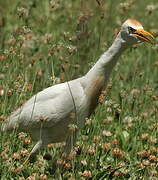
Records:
x=105, y=64
x=98, y=75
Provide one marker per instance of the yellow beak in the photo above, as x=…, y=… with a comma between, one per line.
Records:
x=141, y=34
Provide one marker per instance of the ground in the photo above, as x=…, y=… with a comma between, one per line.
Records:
x=43, y=43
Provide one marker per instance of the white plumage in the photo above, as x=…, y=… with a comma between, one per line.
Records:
x=46, y=116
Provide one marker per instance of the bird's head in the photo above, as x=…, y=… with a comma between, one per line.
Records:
x=132, y=32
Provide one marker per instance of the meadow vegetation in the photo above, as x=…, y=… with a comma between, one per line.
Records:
x=43, y=43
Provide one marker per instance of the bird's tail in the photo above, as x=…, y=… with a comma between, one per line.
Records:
x=11, y=122
x=9, y=125
x=4, y=127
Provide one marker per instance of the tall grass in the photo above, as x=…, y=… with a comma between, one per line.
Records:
x=43, y=43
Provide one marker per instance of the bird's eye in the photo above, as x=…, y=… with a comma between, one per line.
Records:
x=131, y=30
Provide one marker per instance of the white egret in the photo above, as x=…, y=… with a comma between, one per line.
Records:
x=47, y=115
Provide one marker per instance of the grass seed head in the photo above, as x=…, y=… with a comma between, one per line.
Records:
x=144, y=137
x=27, y=141
x=72, y=128
x=101, y=99
x=116, y=174
x=39, y=74
x=152, y=158
x=154, y=173
x=84, y=162
x=117, y=152
x=16, y=156
x=107, y=147
x=59, y=162
x=88, y=122
x=71, y=178
x=106, y=133
x=87, y=174
x=146, y=162
x=90, y=151
x=2, y=58
x=96, y=139
x=24, y=152
x=43, y=177
x=67, y=166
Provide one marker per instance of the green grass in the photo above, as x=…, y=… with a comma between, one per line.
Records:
x=46, y=42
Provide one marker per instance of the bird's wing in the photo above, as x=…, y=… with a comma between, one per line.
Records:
x=49, y=106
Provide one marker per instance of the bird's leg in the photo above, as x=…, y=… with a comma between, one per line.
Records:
x=33, y=152
x=70, y=142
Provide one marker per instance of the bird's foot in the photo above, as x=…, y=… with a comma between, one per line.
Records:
x=26, y=161
x=47, y=157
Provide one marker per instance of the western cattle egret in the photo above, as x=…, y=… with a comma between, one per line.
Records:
x=47, y=116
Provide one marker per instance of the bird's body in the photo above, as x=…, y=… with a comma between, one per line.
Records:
x=47, y=115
